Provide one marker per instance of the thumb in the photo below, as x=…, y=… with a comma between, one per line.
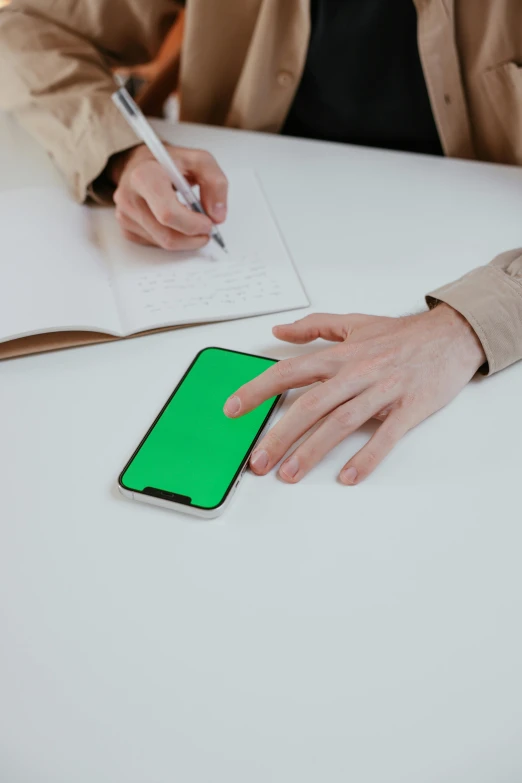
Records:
x=335, y=328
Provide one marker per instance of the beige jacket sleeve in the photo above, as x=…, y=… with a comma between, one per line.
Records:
x=490, y=299
x=55, y=74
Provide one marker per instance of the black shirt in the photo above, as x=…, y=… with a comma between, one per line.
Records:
x=363, y=81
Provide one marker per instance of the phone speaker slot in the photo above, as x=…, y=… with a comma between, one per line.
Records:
x=164, y=495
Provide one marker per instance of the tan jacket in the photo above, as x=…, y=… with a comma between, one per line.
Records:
x=242, y=62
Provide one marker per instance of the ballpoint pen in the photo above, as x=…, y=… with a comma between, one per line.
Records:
x=142, y=128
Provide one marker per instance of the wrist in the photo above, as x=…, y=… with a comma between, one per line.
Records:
x=118, y=162
x=463, y=335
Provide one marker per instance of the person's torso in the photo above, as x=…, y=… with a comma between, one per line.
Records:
x=363, y=81
x=243, y=61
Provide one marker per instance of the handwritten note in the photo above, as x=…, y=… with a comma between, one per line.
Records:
x=213, y=284
x=154, y=288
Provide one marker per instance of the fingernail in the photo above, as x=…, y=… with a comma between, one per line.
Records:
x=290, y=468
x=232, y=406
x=259, y=459
x=219, y=210
x=348, y=476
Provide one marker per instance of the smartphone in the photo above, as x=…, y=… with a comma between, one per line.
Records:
x=193, y=456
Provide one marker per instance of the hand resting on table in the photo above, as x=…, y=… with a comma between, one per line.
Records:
x=397, y=370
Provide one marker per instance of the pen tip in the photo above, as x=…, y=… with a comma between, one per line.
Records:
x=219, y=239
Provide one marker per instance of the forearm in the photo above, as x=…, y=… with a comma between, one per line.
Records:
x=56, y=74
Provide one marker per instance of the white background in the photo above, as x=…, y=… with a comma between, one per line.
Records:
x=315, y=632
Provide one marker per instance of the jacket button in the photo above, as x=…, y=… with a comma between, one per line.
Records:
x=284, y=79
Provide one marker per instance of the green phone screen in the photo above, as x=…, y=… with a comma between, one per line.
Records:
x=193, y=450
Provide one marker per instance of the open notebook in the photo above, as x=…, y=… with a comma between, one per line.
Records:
x=68, y=277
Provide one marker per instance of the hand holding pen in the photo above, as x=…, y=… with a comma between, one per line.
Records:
x=147, y=208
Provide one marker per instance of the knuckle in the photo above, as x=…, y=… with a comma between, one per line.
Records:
x=217, y=180
x=367, y=367
x=123, y=201
x=203, y=155
x=138, y=176
x=309, y=334
x=339, y=385
x=310, y=402
x=383, y=414
x=343, y=418
x=170, y=241
x=308, y=321
x=388, y=438
x=370, y=460
x=389, y=382
x=284, y=369
x=274, y=442
x=165, y=216
x=409, y=399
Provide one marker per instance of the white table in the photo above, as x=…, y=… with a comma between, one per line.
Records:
x=314, y=633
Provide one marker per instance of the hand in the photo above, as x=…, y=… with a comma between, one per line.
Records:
x=397, y=370
x=147, y=207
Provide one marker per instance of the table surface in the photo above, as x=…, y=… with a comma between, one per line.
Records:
x=314, y=632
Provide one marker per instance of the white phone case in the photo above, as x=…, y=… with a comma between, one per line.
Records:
x=193, y=510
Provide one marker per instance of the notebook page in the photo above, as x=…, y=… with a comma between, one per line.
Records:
x=52, y=274
x=156, y=288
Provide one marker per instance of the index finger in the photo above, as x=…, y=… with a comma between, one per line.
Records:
x=153, y=185
x=203, y=168
x=286, y=374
